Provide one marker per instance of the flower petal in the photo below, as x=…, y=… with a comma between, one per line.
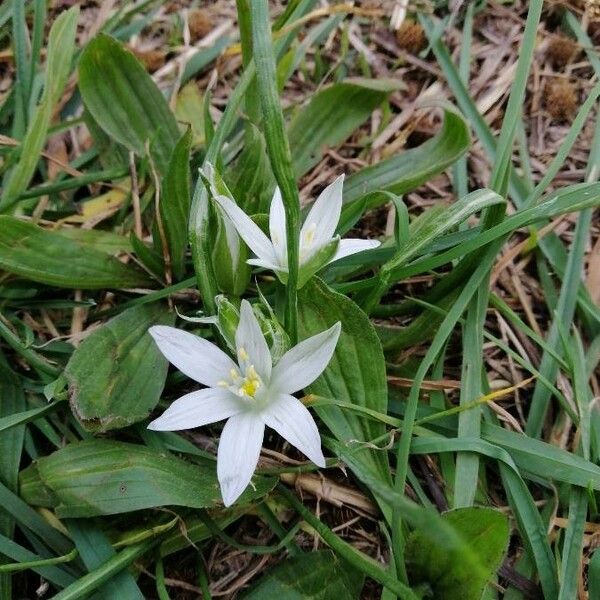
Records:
x=259, y=262
x=301, y=365
x=194, y=356
x=237, y=457
x=249, y=231
x=292, y=421
x=277, y=227
x=198, y=408
x=320, y=223
x=352, y=246
x=249, y=337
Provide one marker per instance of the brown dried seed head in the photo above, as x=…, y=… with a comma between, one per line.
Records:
x=411, y=36
x=200, y=24
x=561, y=51
x=151, y=59
x=561, y=99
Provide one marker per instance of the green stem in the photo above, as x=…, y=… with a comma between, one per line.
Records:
x=279, y=152
x=93, y=580
x=44, y=562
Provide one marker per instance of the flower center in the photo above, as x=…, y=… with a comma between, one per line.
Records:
x=244, y=382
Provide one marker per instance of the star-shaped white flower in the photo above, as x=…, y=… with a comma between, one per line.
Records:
x=318, y=243
x=251, y=393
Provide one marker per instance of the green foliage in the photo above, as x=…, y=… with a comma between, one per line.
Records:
x=355, y=374
x=84, y=274
x=61, y=45
x=37, y=254
x=314, y=576
x=117, y=374
x=462, y=574
x=106, y=477
x=332, y=116
x=125, y=101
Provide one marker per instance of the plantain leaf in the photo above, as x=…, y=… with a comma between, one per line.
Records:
x=462, y=573
x=408, y=170
x=48, y=257
x=315, y=576
x=332, y=116
x=125, y=102
x=107, y=477
x=61, y=45
x=355, y=374
x=117, y=374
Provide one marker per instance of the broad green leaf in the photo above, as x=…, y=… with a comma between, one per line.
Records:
x=125, y=101
x=106, y=477
x=355, y=374
x=117, y=374
x=189, y=111
x=175, y=200
x=48, y=257
x=61, y=45
x=406, y=171
x=315, y=576
x=105, y=241
x=459, y=575
x=331, y=116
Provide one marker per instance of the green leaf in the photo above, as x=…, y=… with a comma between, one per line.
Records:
x=355, y=374
x=460, y=574
x=95, y=549
x=48, y=257
x=12, y=400
x=250, y=178
x=331, y=116
x=406, y=171
x=61, y=45
x=125, y=101
x=106, y=477
x=436, y=221
x=315, y=576
x=175, y=201
x=117, y=374
x=104, y=241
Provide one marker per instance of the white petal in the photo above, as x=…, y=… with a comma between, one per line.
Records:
x=292, y=421
x=249, y=231
x=239, y=449
x=301, y=365
x=198, y=408
x=249, y=337
x=195, y=357
x=277, y=227
x=259, y=262
x=348, y=247
x=323, y=217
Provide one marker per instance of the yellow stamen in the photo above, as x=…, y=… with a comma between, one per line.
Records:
x=243, y=354
x=250, y=387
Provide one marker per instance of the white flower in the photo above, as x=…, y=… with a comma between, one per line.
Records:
x=318, y=244
x=250, y=394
